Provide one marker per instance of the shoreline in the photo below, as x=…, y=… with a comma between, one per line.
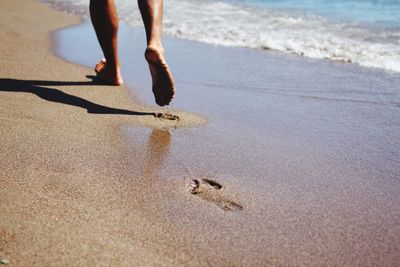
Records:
x=297, y=165
x=133, y=63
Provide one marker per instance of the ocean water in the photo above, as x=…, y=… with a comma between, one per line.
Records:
x=364, y=32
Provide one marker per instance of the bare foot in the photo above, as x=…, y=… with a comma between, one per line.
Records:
x=163, y=82
x=107, y=75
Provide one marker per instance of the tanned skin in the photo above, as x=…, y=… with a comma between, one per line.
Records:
x=104, y=18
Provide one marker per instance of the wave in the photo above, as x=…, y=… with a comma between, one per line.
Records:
x=300, y=33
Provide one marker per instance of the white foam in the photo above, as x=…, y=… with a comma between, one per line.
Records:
x=308, y=35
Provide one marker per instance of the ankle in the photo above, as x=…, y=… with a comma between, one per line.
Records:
x=155, y=47
x=113, y=67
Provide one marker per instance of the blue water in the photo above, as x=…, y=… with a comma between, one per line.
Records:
x=384, y=13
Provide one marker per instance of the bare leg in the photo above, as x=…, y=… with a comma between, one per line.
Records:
x=163, y=83
x=105, y=22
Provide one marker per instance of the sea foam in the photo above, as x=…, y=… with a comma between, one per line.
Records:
x=300, y=33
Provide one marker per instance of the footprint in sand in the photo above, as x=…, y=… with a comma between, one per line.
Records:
x=208, y=190
x=166, y=116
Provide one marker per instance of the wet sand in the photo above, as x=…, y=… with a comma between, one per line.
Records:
x=298, y=164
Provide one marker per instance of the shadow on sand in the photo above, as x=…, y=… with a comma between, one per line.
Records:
x=54, y=95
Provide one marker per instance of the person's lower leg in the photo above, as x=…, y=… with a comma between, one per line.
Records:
x=163, y=83
x=152, y=15
x=105, y=22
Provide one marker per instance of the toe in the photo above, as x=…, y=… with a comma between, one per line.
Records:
x=100, y=66
x=162, y=101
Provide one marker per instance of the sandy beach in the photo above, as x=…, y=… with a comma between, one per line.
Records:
x=276, y=160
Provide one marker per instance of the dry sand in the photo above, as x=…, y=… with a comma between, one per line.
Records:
x=64, y=173
x=309, y=168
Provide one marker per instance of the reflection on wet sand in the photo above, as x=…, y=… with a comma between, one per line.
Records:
x=158, y=148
